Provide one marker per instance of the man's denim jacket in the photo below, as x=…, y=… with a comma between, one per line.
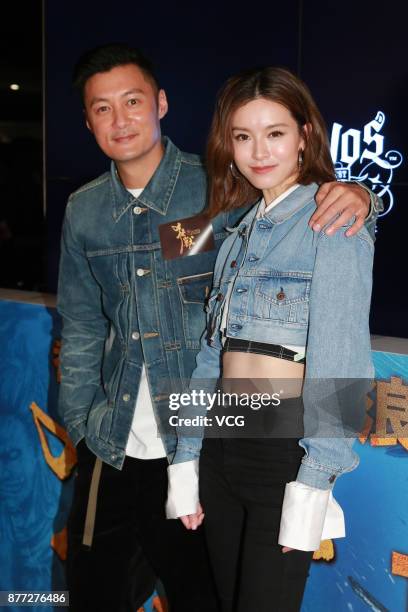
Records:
x=123, y=303
x=294, y=286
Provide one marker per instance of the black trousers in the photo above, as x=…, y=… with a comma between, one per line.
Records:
x=133, y=542
x=242, y=484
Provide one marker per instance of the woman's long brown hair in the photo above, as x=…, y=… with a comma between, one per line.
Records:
x=230, y=189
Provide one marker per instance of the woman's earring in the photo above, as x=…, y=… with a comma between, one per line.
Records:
x=233, y=171
x=300, y=158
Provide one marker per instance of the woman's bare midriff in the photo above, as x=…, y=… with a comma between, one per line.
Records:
x=250, y=372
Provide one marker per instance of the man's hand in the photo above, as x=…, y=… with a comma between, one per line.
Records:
x=286, y=549
x=348, y=200
x=192, y=521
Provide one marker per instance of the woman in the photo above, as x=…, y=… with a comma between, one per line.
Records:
x=287, y=305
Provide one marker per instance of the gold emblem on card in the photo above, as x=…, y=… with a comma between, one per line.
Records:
x=186, y=237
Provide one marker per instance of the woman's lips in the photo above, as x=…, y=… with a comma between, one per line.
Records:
x=262, y=169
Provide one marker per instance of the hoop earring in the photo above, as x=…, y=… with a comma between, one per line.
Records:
x=233, y=171
x=300, y=158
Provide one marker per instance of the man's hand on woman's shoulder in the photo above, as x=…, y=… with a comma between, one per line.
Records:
x=341, y=202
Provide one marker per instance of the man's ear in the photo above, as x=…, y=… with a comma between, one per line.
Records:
x=88, y=125
x=162, y=104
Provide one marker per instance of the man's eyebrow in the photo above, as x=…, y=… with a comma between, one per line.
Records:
x=135, y=90
x=268, y=127
x=95, y=100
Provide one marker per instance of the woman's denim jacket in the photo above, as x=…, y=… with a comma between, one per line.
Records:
x=294, y=286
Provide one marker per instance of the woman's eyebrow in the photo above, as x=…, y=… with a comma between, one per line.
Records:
x=268, y=127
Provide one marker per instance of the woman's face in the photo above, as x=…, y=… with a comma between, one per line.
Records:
x=266, y=142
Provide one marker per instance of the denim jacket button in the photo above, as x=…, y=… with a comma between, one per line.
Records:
x=135, y=335
x=233, y=264
x=281, y=295
x=137, y=210
x=332, y=478
x=141, y=272
x=126, y=397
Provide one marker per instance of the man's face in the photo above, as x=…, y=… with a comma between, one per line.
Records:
x=123, y=112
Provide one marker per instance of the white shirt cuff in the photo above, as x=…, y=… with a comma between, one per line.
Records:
x=309, y=515
x=182, y=492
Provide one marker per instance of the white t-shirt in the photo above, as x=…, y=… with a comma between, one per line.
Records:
x=144, y=441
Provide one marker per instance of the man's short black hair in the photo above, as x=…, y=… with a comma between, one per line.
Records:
x=106, y=57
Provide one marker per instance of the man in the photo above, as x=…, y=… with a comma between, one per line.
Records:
x=132, y=305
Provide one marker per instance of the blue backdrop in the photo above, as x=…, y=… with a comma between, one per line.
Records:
x=366, y=571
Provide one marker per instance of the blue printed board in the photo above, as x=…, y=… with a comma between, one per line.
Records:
x=368, y=570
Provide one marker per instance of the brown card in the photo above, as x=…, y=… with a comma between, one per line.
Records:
x=185, y=237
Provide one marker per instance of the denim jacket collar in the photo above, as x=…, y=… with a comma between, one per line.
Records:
x=292, y=203
x=154, y=195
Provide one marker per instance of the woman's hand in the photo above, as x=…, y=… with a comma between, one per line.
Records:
x=192, y=521
x=286, y=549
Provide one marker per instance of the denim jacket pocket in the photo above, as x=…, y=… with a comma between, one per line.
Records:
x=283, y=298
x=193, y=291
